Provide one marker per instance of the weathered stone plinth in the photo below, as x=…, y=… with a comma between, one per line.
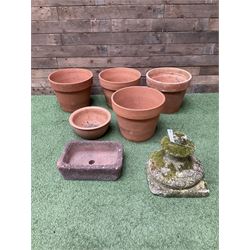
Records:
x=174, y=171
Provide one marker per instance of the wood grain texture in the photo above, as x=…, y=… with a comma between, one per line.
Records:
x=162, y=49
x=71, y=26
x=111, y=11
x=94, y=2
x=44, y=13
x=194, y=10
x=143, y=34
x=44, y=62
x=69, y=51
x=213, y=24
x=161, y=25
x=154, y=61
x=139, y=38
x=192, y=1
x=46, y=39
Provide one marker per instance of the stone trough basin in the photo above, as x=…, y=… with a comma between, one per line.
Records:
x=91, y=160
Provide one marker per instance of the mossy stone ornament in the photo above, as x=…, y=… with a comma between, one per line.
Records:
x=182, y=147
x=174, y=170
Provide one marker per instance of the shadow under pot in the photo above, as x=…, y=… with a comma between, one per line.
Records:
x=137, y=111
x=72, y=87
x=117, y=78
x=173, y=83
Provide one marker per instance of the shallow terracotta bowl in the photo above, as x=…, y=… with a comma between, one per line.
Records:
x=90, y=122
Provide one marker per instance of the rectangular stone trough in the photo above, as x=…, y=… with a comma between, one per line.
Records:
x=91, y=160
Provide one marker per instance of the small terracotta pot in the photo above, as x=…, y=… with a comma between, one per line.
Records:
x=72, y=87
x=173, y=83
x=90, y=122
x=137, y=110
x=117, y=78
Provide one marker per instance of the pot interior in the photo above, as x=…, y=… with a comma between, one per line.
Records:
x=173, y=76
x=138, y=98
x=70, y=76
x=120, y=75
x=91, y=154
x=90, y=118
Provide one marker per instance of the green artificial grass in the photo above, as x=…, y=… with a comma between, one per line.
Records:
x=122, y=214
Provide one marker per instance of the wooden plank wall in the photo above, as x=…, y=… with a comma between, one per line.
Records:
x=143, y=34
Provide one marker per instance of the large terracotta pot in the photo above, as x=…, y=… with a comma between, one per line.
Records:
x=137, y=110
x=117, y=78
x=72, y=87
x=173, y=83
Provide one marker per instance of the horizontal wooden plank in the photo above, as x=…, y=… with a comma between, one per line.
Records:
x=201, y=10
x=125, y=25
x=192, y=1
x=139, y=38
x=210, y=70
x=192, y=37
x=44, y=13
x=154, y=61
x=44, y=63
x=122, y=50
x=46, y=39
x=93, y=2
x=114, y=38
x=69, y=51
x=111, y=11
x=166, y=24
x=62, y=2
x=71, y=26
x=213, y=24
x=161, y=49
x=201, y=84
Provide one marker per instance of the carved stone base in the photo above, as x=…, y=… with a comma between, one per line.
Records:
x=198, y=190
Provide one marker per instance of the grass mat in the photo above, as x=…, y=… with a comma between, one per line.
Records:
x=122, y=214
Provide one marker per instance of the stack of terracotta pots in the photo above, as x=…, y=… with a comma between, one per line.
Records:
x=114, y=79
x=137, y=107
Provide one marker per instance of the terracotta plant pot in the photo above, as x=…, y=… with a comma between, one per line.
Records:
x=117, y=78
x=137, y=110
x=72, y=87
x=173, y=83
x=90, y=122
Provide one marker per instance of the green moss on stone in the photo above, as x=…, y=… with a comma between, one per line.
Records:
x=157, y=158
x=172, y=171
x=182, y=148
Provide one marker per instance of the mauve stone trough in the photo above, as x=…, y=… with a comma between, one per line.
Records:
x=91, y=160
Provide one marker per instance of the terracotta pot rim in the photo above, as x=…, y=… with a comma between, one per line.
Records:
x=121, y=82
x=138, y=110
x=94, y=108
x=170, y=83
x=70, y=69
